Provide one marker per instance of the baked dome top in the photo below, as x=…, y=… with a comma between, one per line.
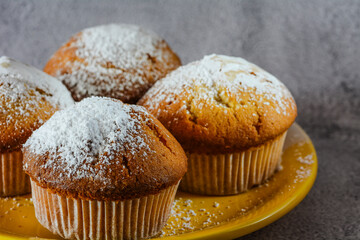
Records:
x=103, y=149
x=28, y=98
x=116, y=60
x=221, y=104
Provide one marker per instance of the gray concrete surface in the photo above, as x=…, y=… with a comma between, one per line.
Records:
x=312, y=46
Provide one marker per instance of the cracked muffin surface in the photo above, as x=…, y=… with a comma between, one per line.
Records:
x=28, y=98
x=221, y=104
x=121, y=61
x=103, y=149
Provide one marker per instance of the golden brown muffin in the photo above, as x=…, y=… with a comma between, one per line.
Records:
x=221, y=106
x=28, y=98
x=104, y=152
x=117, y=60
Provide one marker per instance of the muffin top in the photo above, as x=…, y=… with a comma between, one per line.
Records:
x=28, y=98
x=117, y=60
x=103, y=149
x=221, y=104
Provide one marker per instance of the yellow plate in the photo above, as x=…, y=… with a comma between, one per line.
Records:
x=203, y=217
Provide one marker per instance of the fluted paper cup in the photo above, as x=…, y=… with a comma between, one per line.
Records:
x=90, y=219
x=13, y=180
x=232, y=173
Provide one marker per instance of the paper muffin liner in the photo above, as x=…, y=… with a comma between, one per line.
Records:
x=90, y=219
x=13, y=180
x=232, y=173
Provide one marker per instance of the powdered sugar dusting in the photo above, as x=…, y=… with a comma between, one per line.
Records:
x=90, y=131
x=215, y=76
x=302, y=173
x=109, y=51
x=28, y=98
x=17, y=78
x=308, y=159
x=187, y=216
x=108, y=42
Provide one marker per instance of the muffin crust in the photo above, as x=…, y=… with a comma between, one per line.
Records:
x=102, y=149
x=116, y=60
x=221, y=104
x=28, y=97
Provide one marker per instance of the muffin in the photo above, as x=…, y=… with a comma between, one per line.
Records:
x=28, y=98
x=117, y=60
x=103, y=170
x=230, y=116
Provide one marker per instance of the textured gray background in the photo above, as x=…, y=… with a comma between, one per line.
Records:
x=312, y=46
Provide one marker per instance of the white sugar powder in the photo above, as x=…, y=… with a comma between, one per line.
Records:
x=216, y=75
x=17, y=78
x=109, y=51
x=89, y=130
x=22, y=89
x=121, y=44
